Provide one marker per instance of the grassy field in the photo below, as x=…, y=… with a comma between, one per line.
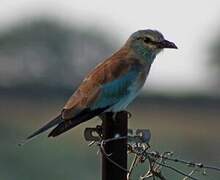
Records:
x=189, y=129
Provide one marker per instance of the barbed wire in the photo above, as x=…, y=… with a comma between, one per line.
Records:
x=141, y=150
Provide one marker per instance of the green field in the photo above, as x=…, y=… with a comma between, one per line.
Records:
x=191, y=130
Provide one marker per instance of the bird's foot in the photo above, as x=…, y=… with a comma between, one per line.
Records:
x=129, y=115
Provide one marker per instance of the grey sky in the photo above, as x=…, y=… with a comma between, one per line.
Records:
x=191, y=24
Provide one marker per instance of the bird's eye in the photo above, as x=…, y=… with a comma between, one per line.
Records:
x=147, y=40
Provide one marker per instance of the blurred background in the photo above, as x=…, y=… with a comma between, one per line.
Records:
x=47, y=47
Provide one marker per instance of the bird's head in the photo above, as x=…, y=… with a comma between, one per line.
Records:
x=148, y=43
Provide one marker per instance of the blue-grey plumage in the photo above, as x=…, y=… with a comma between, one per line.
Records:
x=120, y=92
x=113, y=84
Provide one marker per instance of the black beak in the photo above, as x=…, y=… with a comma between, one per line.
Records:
x=167, y=44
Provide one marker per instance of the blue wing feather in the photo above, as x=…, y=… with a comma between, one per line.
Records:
x=116, y=91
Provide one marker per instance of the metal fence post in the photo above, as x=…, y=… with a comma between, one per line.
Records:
x=115, y=126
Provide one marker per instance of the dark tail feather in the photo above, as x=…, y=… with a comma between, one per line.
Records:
x=82, y=117
x=65, y=126
x=44, y=128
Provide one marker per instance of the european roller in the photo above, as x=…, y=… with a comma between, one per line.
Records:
x=113, y=84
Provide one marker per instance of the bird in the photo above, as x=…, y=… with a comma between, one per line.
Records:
x=112, y=85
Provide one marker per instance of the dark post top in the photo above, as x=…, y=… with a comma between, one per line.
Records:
x=115, y=125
